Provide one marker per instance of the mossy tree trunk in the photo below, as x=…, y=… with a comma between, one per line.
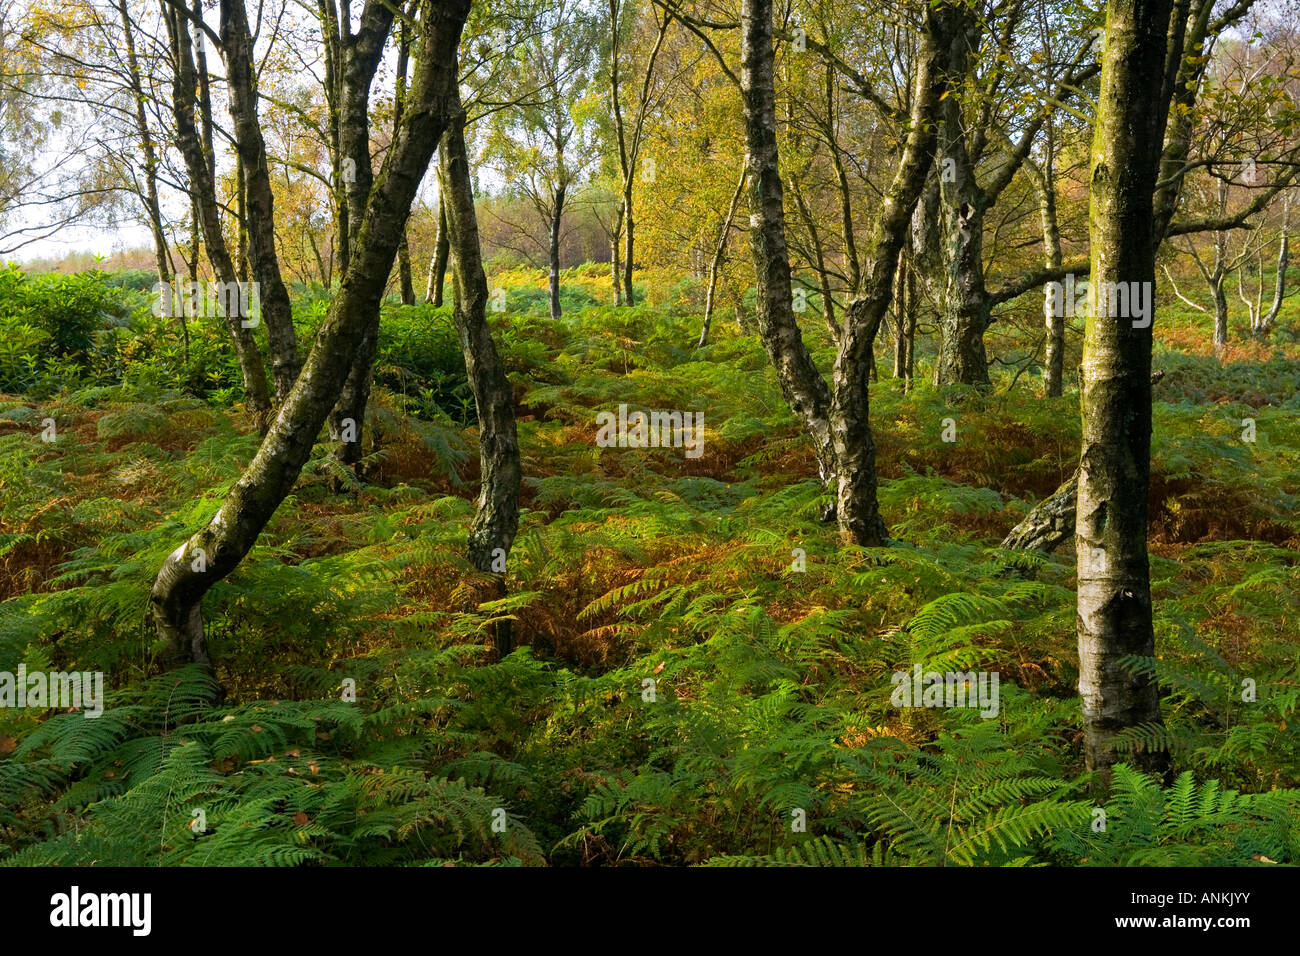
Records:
x=836, y=416
x=965, y=308
x=241, y=81
x=1114, y=587
x=206, y=212
x=360, y=54
x=215, y=550
x=497, y=520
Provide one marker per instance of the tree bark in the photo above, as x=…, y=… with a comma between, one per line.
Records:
x=962, y=359
x=438, y=265
x=1114, y=588
x=204, y=204
x=1054, y=365
x=241, y=227
x=616, y=257
x=557, y=218
x=1279, y=280
x=497, y=520
x=332, y=58
x=1050, y=524
x=241, y=81
x=214, y=551
x=629, y=148
x=856, y=505
x=152, y=209
x=1220, y=297
x=719, y=252
x=836, y=417
x=901, y=320
x=399, y=95
x=802, y=386
x=361, y=53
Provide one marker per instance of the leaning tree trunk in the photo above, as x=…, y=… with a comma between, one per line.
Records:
x=801, y=384
x=214, y=551
x=855, y=454
x=836, y=417
x=1050, y=524
x=497, y=520
x=1114, y=587
x=1279, y=284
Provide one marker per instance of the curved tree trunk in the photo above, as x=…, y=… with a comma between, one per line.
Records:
x=836, y=417
x=214, y=551
x=1279, y=285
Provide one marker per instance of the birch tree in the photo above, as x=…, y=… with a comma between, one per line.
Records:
x=215, y=550
x=835, y=415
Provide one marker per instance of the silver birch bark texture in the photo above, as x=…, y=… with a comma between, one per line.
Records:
x=1114, y=589
x=215, y=550
x=497, y=520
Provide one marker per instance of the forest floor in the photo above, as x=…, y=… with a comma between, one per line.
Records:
x=703, y=672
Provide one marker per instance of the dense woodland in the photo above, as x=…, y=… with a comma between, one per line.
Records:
x=650, y=432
